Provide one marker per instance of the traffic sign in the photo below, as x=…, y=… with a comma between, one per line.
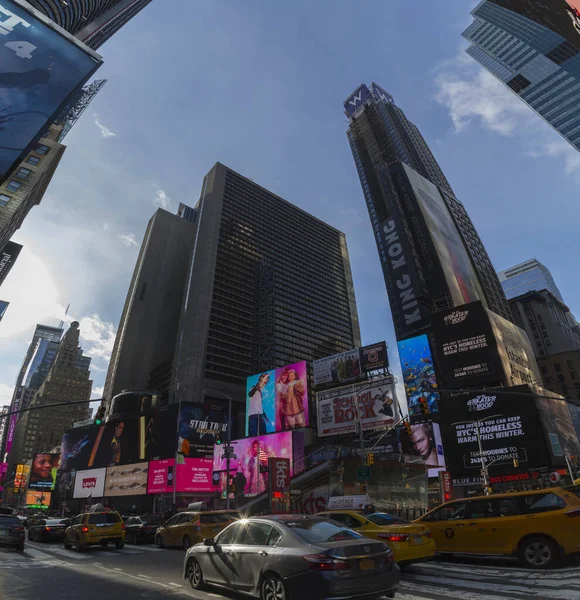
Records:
x=363, y=473
x=555, y=477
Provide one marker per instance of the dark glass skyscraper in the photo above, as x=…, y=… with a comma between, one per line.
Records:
x=268, y=285
x=432, y=256
x=533, y=47
x=91, y=21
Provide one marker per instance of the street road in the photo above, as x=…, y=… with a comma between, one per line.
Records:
x=49, y=572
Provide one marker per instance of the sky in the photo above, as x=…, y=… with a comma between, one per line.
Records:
x=259, y=86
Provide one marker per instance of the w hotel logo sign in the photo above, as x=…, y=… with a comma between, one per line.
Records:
x=357, y=99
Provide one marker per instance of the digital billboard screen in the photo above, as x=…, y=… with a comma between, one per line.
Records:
x=424, y=445
x=38, y=499
x=90, y=483
x=40, y=69
x=21, y=476
x=373, y=404
x=277, y=400
x=558, y=426
x=193, y=475
x=418, y=375
x=126, y=480
x=199, y=425
x=252, y=456
x=561, y=16
x=43, y=471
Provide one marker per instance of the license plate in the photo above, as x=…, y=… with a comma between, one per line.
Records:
x=366, y=565
x=417, y=540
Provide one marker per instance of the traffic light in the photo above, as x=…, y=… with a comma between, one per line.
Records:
x=424, y=406
x=100, y=414
x=219, y=438
x=516, y=462
x=370, y=459
x=408, y=429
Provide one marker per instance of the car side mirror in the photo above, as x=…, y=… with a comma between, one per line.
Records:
x=209, y=542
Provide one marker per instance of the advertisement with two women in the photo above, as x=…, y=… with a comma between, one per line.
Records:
x=277, y=400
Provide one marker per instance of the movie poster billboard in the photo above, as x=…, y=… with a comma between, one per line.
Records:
x=560, y=16
x=558, y=427
x=423, y=446
x=373, y=404
x=277, y=400
x=199, y=426
x=509, y=429
x=40, y=70
x=252, y=456
x=43, y=471
x=90, y=483
x=454, y=260
x=418, y=375
x=38, y=499
x=126, y=480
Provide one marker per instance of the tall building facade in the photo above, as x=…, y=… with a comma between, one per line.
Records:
x=67, y=380
x=528, y=276
x=142, y=356
x=91, y=21
x=431, y=254
x=533, y=47
x=267, y=285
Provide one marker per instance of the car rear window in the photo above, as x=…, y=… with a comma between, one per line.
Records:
x=56, y=522
x=101, y=518
x=9, y=521
x=317, y=531
x=384, y=519
x=152, y=520
x=205, y=519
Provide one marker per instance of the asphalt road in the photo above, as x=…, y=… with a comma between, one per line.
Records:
x=49, y=572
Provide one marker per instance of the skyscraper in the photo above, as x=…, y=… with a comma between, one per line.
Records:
x=91, y=21
x=431, y=254
x=533, y=47
x=528, y=276
x=268, y=284
x=146, y=335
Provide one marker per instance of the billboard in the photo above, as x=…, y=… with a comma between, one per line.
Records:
x=90, y=484
x=373, y=403
x=38, y=499
x=277, y=400
x=350, y=366
x=40, y=70
x=454, y=260
x=561, y=16
x=418, y=374
x=509, y=429
x=13, y=420
x=193, y=475
x=129, y=480
x=3, y=471
x=252, y=456
x=161, y=477
x=43, y=471
x=279, y=486
x=8, y=256
x=198, y=427
x=76, y=447
x=558, y=427
x=356, y=99
x=3, y=307
x=21, y=476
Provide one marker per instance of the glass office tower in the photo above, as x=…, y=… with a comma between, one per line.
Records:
x=528, y=276
x=533, y=47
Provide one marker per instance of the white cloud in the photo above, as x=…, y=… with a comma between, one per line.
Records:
x=97, y=337
x=6, y=392
x=129, y=240
x=558, y=148
x=162, y=200
x=97, y=392
x=105, y=131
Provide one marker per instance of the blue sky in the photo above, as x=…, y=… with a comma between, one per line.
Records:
x=259, y=87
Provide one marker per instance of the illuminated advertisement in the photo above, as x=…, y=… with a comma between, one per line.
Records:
x=454, y=260
x=43, y=471
x=423, y=446
x=13, y=420
x=561, y=16
x=356, y=99
x=21, y=476
x=198, y=427
x=38, y=499
x=8, y=256
x=40, y=70
x=127, y=480
x=277, y=400
x=194, y=475
x=90, y=484
x=373, y=404
x=76, y=447
x=418, y=374
x=3, y=471
x=252, y=456
x=279, y=481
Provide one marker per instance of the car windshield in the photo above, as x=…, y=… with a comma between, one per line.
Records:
x=101, y=518
x=384, y=519
x=152, y=520
x=9, y=521
x=316, y=531
x=56, y=521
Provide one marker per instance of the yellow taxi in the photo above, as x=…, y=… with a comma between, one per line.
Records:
x=188, y=528
x=95, y=528
x=410, y=542
x=539, y=527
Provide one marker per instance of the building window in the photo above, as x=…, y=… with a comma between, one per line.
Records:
x=23, y=173
x=13, y=185
x=561, y=377
x=544, y=369
x=518, y=83
x=33, y=160
x=573, y=375
x=4, y=199
x=557, y=367
x=42, y=149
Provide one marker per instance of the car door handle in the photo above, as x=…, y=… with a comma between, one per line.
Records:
x=262, y=553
